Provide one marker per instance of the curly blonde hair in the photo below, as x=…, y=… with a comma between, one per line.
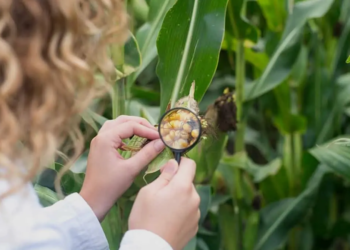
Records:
x=49, y=53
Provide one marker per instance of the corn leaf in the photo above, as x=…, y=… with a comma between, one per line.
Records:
x=237, y=24
x=188, y=45
x=147, y=35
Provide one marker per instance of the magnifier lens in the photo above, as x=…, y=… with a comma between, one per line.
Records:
x=180, y=129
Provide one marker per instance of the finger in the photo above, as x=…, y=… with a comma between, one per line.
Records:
x=124, y=118
x=126, y=130
x=186, y=172
x=145, y=155
x=168, y=173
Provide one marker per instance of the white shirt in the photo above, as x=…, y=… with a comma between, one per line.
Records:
x=68, y=224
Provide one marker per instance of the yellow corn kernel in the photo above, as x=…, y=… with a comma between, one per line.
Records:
x=184, y=135
x=164, y=131
x=166, y=125
x=183, y=143
x=167, y=139
x=187, y=127
x=180, y=144
x=174, y=117
x=195, y=133
x=177, y=134
x=172, y=134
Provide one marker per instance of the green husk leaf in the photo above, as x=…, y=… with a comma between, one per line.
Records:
x=159, y=162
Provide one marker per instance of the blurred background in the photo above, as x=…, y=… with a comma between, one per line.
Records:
x=272, y=81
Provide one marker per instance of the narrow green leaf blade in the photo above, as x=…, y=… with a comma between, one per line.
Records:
x=147, y=35
x=112, y=227
x=275, y=14
x=237, y=24
x=336, y=157
x=46, y=196
x=204, y=192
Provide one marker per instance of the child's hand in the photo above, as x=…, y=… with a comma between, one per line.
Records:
x=108, y=175
x=169, y=207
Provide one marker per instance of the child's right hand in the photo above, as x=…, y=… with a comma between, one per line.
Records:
x=169, y=207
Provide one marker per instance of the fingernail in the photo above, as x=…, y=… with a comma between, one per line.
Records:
x=159, y=145
x=170, y=167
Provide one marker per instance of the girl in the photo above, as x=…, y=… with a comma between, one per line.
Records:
x=49, y=53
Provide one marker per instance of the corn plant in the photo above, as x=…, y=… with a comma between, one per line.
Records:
x=272, y=87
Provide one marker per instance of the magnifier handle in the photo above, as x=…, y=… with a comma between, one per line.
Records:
x=178, y=157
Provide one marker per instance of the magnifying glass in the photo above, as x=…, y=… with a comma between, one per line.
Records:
x=180, y=130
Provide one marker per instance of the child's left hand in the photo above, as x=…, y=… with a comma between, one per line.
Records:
x=108, y=174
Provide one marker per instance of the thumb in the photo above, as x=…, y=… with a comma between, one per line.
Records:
x=168, y=172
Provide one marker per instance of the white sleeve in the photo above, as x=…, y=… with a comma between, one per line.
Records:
x=86, y=232
x=80, y=223
x=68, y=224
x=24, y=226
x=143, y=240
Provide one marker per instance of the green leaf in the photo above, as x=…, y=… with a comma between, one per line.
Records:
x=336, y=156
x=219, y=199
x=86, y=116
x=71, y=182
x=204, y=192
x=112, y=227
x=80, y=165
x=258, y=59
x=278, y=218
x=207, y=155
x=300, y=67
x=274, y=12
x=287, y=51
x=237, y=24
x=139, y=8
x=147, y=35
x=251, y=230
x=191, y=245
x=201, y=245
x=343, y=99
x=306, y=240
x=159, y=161
x=227, y=223
x=197, y=27
x=290, y=123
x=343, y=45
x=338, y=61
x=275, y=187
x=145, y=94
x=259, y=172
x=348, y=60
x=96, y=117
x=47, y=197
x=126, y=59
x=136, y=108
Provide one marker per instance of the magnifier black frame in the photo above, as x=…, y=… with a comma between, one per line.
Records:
x=178, y=152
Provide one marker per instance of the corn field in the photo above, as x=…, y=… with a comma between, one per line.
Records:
x=271, y=83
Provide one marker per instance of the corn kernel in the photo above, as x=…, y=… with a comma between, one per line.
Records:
x=184, y=135
x=187, y=127
x=195, y=133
